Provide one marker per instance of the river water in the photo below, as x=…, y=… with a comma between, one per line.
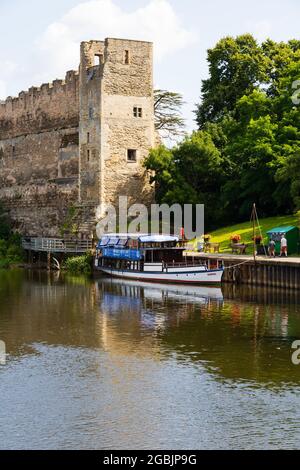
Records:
x=102, y=364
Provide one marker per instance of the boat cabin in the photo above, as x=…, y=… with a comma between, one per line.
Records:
x=133, y=251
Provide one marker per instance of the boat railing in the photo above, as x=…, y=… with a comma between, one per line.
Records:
x=186, y=264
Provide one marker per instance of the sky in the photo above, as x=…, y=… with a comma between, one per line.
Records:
x=39, y=40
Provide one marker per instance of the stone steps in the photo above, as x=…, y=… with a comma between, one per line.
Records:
x=85, y=218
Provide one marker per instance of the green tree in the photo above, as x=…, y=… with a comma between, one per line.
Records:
x=247, y=108
x=236, y=66
x=247, y=148
x=252, y=152
x=190, y=173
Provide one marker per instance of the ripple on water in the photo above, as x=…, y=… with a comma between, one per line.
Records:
x=104, y=365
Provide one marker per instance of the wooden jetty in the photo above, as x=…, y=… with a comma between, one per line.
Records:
x=263, y=271
x=55, y=248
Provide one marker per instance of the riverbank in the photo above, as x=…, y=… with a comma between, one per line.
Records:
x=261, y=271
x=223, y=235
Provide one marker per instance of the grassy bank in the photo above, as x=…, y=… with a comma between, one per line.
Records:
x=223, y=235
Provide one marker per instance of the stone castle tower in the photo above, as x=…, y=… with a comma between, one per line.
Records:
x=80, y=142
x=116, y=128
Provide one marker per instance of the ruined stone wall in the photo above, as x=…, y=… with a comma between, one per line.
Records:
x=67, y=142
x=39, y=158
x=52, y=106
x=90, y=91
x=127, y=84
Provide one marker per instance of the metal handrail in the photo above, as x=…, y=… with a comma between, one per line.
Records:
x=57, y=245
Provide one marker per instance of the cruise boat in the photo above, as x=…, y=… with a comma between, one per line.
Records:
x=153, y=258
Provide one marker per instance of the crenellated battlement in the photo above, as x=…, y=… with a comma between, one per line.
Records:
x=33, y=95
x=53, y=105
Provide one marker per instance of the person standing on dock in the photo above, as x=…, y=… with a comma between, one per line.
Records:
x=283, y=246
x=271, y=249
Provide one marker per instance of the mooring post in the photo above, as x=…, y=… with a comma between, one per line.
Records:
x=49, y=261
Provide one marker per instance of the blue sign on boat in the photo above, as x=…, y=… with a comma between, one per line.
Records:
x=132, y=255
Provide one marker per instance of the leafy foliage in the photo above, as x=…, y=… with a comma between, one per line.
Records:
x=235, y=67
x=190, y=173
x=79, y=264
x=11, y=251
x=247, y=148
x=70, y=224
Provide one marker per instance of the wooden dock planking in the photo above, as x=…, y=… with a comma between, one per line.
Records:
x=269, y=272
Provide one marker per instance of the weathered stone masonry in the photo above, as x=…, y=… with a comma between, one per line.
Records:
x=80, y=141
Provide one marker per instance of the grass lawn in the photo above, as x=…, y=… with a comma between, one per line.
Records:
x=223, y=235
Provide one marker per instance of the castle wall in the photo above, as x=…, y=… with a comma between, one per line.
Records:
x=67, y=143
x=39, y=155
x=52, y=106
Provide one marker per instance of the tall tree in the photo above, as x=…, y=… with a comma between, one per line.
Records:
x=235, y=67
x=168, y=114
x=190, y=173
x=248, y=146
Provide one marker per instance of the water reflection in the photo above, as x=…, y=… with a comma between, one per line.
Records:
x=234, y=339
x=115, y=364
x=238, y=333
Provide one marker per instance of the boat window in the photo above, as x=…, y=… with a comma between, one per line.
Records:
x=123, y=241
x=113, y=241
x=104, y=241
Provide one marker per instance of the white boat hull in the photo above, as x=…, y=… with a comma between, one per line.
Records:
x=190, y=276
x=155, y=291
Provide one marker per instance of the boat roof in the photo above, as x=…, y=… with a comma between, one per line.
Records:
x=135, y=236
x=158, y=239
x=143, y=238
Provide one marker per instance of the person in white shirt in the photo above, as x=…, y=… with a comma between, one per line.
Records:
x=283, y=246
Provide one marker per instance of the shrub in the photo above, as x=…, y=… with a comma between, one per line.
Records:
x=79, y=264
x=11, y=251
x=3, y=248
x=4, y=263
